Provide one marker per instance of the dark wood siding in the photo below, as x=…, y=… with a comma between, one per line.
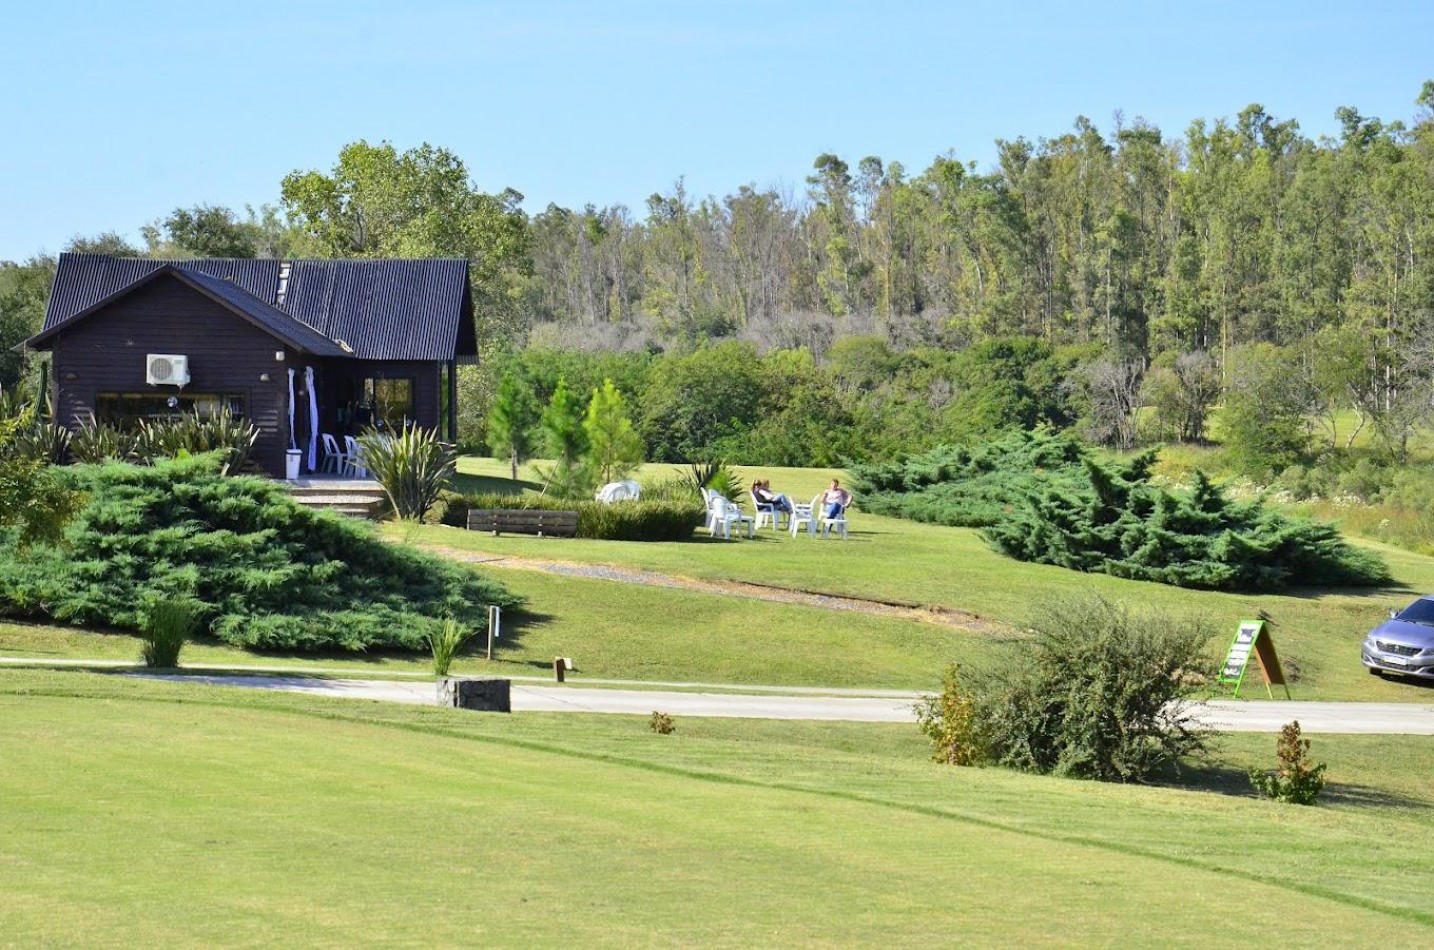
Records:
x=106, y=353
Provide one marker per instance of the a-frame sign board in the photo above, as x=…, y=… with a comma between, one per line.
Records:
x=1253, y=639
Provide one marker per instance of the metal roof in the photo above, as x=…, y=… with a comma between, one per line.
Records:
x=380, y=309
x=295, y=332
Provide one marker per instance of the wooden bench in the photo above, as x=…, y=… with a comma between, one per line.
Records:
x=539, y=521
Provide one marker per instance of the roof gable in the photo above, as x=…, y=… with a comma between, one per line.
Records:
x=380, y=309
x=277, y=324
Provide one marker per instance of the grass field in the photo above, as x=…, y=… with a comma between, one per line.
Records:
x=624, y=631
x=158, y=814
x=1317, y=631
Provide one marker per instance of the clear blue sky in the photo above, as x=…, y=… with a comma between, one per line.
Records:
x=114, y=113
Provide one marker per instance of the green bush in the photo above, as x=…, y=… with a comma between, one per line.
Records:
x=413, y=467
x=1296, y=779
x=620, y=521
x=272, y=573
x=1043, y=498
x=167, y=626
x=950, y=721
x=1099, y=693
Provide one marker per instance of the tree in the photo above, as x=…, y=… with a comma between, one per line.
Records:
x=379, y=202
x=1181, y=389
x=614, y=449
x=565, y=439
x=208, y=231
x=1264, y=414
x=511, y=420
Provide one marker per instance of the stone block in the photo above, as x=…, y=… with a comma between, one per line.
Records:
x=487, y=694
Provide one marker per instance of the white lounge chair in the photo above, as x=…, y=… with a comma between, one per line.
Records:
x=767, y=513
x=723, y=514
x=827, y=524
x=804, y=516
x=626, y=490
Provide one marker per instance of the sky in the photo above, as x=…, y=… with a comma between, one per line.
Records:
x=112, y=114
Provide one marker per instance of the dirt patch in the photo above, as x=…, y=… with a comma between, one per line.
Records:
x=941, y=616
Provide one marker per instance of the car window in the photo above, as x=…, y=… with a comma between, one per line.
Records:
x=1421, y=611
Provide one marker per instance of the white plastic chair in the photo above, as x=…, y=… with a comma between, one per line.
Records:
x=804, y=516
x=827, y=524
x=625, y=490
x=334, y=460
x=724, y=515
x=768, y=513
x=354, y=464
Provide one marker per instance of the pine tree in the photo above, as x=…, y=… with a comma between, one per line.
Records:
x=566, y=440
x=614, y=449
x=511, y=421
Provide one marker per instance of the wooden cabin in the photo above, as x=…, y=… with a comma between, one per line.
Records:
x=139, y=339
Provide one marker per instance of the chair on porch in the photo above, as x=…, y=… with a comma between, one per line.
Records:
x=335, y=461
x=354, y=466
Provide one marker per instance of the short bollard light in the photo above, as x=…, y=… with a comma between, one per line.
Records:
x=561, y=666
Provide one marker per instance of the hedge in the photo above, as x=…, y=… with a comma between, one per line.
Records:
x=619, y=521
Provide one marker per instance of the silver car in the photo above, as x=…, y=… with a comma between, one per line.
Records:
x=1403, y=644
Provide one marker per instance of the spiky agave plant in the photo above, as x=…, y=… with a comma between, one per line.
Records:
x=412, y=467
x=445, y=645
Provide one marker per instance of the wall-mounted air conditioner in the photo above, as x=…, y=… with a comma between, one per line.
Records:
x=162, y=369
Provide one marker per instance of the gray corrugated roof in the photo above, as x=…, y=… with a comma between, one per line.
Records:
x=299, y=334
x=382, y=309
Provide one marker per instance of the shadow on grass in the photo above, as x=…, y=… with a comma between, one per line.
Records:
x=491, y=485
x=1224, y=778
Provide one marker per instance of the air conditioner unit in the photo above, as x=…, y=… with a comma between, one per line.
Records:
x=162, y=369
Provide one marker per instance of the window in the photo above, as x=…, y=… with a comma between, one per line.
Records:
x=389, y=401
x=127, y=409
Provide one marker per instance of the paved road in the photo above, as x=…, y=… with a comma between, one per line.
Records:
x=1225, y=715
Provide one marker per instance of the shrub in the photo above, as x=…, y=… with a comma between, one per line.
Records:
x=167, y=625
x=42, y=441
x=717, y=476
x=641, y=520
x=96, y=442
x=662, y=724
x=1043, y=498
x=950, y=721
x=194, y=434
x=273, y=574
x=1117, y=523
x=412, y=466
x=1296, y=780
x=445, y=644
x=1100, y=693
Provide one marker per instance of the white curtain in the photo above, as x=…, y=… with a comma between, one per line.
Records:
x=313, y=418
x=292, y=444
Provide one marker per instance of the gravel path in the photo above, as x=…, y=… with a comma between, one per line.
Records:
x=956, y=619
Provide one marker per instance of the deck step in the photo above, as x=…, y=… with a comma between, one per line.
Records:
x=359, y=498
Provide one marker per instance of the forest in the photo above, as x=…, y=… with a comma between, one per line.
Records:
x=1240, y=282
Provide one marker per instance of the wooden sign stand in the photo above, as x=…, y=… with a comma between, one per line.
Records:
x=1253, y=639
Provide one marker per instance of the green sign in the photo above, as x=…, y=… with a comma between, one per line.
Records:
x=1253, y=640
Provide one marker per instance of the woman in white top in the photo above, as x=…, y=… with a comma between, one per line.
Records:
x=835, y=500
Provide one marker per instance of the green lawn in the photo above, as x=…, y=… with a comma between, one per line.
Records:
x=1317, y=631
x=164, y=814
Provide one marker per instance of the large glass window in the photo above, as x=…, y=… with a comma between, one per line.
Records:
x=389, y=402
x=127, y=409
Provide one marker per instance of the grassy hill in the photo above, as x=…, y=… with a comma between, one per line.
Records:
x=189, y=814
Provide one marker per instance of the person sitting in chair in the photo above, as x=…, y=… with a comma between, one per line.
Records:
x=763, y=495
x=835, y=500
